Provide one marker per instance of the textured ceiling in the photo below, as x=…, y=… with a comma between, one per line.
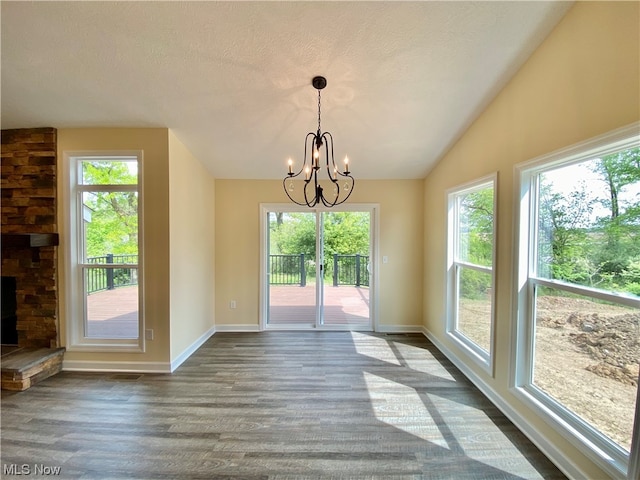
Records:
x=233, y=79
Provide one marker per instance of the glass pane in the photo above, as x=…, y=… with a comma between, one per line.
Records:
x=111, y=296
x=586, y=357
x=110, y=227
x=475, y=227
x=346, y=269
x=109, y=172
x=474, y=306
x=292, y=268
x=589, y=223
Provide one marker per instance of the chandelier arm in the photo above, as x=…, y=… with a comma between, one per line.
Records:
x=326, y=203
x=304, y=159
x=315, y=189
x=336, y=195
x=330, y=161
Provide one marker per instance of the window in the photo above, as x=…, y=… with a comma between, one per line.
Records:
x=579, y=292
x=470, y=267
x=105, y=254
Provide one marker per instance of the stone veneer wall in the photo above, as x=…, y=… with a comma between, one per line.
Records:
x=28, y=172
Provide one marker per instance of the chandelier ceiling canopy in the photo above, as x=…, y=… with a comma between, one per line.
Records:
x=307, y=186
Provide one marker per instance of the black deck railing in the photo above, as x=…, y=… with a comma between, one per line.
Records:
x=100, y=278
x=351, y=270
x=344, y=270
x=287, y=270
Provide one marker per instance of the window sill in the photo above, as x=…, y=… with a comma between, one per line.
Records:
x=600, y=450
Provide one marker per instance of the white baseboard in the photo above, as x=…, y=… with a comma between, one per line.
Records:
x=115, y=367
x=570, y=469
x=179, y=360
x=136, y=367
x=238, y=328
x=399, y=329
x=256, y=328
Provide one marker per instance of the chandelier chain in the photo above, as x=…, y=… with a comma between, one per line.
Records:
x=318, y=110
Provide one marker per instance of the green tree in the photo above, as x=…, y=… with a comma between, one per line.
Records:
x=111, y=217
x=294, y=234
x=620, y=230
x=577, y=245
x=476, y=212
x=345, y=233
x=563, y=223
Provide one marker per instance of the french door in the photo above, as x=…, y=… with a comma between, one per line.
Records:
x=318, y=268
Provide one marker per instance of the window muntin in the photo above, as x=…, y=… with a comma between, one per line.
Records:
x=470, y=268
x=105, y=219
x=578, y=342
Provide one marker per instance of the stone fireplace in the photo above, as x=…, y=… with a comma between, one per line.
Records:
x=29, y=237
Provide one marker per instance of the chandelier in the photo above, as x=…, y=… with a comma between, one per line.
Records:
x=311, y=190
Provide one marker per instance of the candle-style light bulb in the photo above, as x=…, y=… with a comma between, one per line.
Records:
x=290, y=162
x=335, y=172
x=346, y=164
x=316, y=155
x=306, y=172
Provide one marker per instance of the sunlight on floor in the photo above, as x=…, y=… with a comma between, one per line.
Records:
x=479, y=437
x=467, y=428
x=422, y=360
x=374, y=347
x=401, y=407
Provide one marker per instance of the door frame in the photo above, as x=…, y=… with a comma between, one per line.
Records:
x=374, y=235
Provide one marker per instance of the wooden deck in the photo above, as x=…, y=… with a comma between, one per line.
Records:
x=114, y=313
x=344, y=306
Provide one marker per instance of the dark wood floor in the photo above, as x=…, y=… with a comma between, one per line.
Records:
x=274, y=405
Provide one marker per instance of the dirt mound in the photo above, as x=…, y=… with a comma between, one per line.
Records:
x=609, y=335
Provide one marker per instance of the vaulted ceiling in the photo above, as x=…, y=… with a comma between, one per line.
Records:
x=233, y=79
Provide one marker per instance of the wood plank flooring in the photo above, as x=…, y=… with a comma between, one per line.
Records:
x=272, y=405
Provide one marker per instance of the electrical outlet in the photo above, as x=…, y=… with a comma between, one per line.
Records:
x=232, y=304
x=148, y=334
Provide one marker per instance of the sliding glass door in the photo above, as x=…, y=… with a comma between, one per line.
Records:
x=291, y=269
x=317, y=267
x=346, y=257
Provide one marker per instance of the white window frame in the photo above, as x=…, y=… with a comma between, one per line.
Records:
x=591, y=442
x=480, y=356
x=74, y=294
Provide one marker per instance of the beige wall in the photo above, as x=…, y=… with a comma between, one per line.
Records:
x=155, y=185
x=191, y=251
x=238, y=247
x=583, y=81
